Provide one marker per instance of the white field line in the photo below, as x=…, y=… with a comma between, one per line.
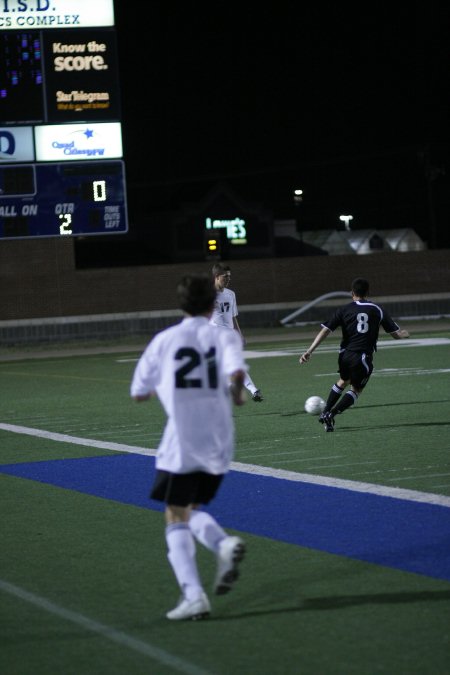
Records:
x=145, y=648
x=398, y=372
x=282, y=474
x=386, y=343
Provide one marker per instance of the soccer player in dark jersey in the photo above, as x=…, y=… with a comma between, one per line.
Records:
x=360, y=321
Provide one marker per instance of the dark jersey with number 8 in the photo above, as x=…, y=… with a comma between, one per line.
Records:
x=360, y=321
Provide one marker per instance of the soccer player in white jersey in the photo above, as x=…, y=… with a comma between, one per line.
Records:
x=196, y=371
x=225, y=315
x=360, y=322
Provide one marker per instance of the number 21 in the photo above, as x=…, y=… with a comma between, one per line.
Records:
x=194, y=359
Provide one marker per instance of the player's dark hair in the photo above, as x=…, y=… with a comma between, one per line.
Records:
x=196, y=294
x=219, y=268
x=360, y=287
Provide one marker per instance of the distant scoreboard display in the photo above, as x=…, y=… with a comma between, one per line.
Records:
x=61, y=156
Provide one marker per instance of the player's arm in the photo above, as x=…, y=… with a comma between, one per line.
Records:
x=237, y=389
x=143, y=397
x=393, y=329
x=145, y=376
x=320, y=337
x=400, y=334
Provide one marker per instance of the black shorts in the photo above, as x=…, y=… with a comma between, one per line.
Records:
x=182, y=489
x=356, y=367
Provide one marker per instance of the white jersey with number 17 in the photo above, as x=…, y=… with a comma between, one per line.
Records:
x=225, y=309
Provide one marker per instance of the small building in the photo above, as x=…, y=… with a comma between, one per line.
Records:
x=359, y=242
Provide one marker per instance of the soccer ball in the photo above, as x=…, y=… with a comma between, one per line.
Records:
x=314, y=405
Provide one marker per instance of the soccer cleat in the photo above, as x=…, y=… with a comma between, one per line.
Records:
x=231, y=553
x=257, y=396
x=192, y=610
x=327, y=421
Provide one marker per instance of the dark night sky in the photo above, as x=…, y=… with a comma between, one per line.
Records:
x=351, y=104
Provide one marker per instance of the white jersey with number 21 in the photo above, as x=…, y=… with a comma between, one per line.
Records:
x=188, y=366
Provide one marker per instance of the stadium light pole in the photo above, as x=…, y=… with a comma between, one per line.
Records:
x=298, y=199
x=346, y=220
x=298, y=196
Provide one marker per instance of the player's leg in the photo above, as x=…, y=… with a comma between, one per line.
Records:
x=326, y=418
x=360, y=372
x=335, y=394
x=229, y=550
x=206, y=530
x=350, y=397
x=338, y=388
x=175, y=490
x=253, y=389
x=181, y=551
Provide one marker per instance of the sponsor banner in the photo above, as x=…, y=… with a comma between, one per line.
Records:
x=16, y=144
x=81, y=80
x=41, y=14
x=69, y=142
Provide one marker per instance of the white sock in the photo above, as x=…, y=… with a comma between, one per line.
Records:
x=249, y=384
x=206, y=530
x=181, y=555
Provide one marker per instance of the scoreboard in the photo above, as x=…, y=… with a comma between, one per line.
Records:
x=61, y=158
x=47, y=200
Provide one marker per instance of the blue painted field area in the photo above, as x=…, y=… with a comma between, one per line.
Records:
x=405, y=535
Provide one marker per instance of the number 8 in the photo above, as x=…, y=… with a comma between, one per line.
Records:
x=363, y=322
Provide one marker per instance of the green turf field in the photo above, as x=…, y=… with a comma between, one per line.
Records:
x=84, y=581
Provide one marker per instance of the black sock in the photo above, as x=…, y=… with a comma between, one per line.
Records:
x=346, y=401
x=333, y=397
